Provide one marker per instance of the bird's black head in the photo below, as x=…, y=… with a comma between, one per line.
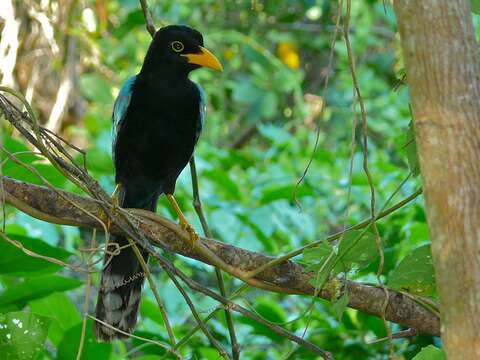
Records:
x=179, y=49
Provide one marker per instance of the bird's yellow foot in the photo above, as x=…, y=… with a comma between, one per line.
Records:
x=183, y=221
x=116, y=202
x=192, y=234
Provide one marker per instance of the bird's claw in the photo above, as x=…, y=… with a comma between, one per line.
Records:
x=116, y=203
x=192, y=234
x=109, y=220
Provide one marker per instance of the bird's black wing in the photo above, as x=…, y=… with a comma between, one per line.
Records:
x=120, y=109
x=203, y=113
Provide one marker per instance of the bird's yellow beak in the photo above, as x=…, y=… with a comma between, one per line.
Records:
x=205, y=58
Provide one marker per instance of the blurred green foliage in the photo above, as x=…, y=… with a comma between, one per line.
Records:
x=263, y=118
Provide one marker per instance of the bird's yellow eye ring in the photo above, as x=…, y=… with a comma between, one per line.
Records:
x=177, y=46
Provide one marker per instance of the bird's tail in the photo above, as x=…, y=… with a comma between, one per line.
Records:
x=121, y=283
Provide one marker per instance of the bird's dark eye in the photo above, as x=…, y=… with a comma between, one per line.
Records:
x=177, y=46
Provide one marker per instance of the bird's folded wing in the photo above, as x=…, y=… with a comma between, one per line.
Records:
x=203, y=112
x=120, y=108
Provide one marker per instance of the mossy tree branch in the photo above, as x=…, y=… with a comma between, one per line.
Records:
x=288, y=277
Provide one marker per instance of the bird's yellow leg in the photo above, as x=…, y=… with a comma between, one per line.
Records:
x=183, y=221
x=115, y=201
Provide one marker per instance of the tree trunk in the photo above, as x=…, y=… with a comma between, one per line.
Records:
x=441, y=58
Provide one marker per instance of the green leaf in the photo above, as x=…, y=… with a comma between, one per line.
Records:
x=476, y=6
x=150, y=348
x=101, y=161
x=225, y=184
x=315, y=256
x=35, y=288
x=15, y=262
x=134, y=19
x=208, y=353
x=149, y=309
x=359, y=179
x=148, y=357
x=92, y=350
x=316, y=259
x=269, y=105
x=276, y=134
x=430, y=353
x=246, y=93
x=22, y=335
x=415, y=273
x=19, y=149
x=260, y=329
x=270, y=310
x=357, y=248
x=95, y=88
x=275, y=192
x=47, y=171
x=411, y=150
x=261, y=223
x=61, y=310
x=340, y=305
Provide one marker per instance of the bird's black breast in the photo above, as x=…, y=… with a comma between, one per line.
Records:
x=157, y=136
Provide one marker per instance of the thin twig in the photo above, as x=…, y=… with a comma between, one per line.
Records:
x=333, y=237
x=133, y=234
x=318, y=284
x=235, y=307
x=206, y=253
x=158, y=343
x=148, y=17
x=59, y=193
x=194, y=311
x=70, y=169
x=141, y=239
x=153, y=287
x=28, y=252
x=88, y=288
x=378, y=240
x=40, y=144
x=398, y=335
x=323, y=105
x=197, y=204
x=192, y=331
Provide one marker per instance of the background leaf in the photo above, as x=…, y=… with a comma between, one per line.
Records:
x=415, y=273
x=17, y=296
x=96, y=88
x=430, y=353
x=357, y=247
x=22, y=335
x=15, y=262
x=92, y=350
x=476, y=6
x=341, y=304
x=60, y=310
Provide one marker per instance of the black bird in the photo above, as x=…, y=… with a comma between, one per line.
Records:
x=157, y=120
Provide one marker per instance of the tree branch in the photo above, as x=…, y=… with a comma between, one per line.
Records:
x=288, y=277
